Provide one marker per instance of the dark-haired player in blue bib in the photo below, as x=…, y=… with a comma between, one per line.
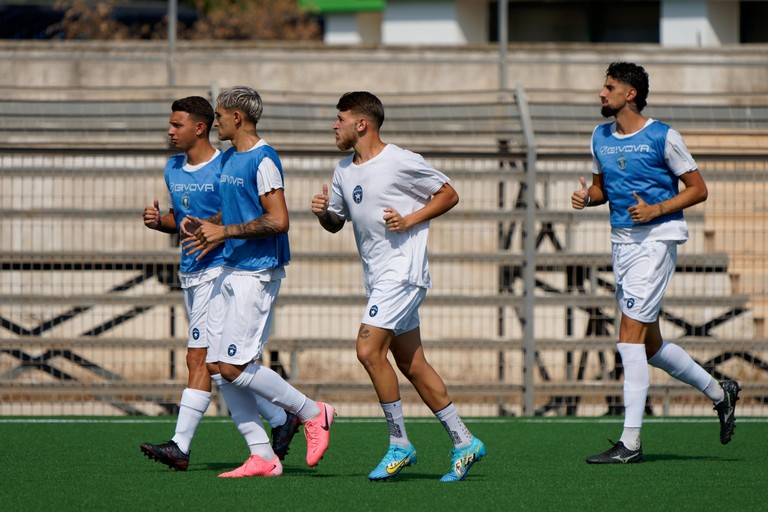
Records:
x=638, y=163
x=193, y=179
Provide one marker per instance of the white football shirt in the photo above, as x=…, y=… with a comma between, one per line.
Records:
x=395, y=178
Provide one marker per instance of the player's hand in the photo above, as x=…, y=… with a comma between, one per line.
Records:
x=642, y=211
x=189, y=225
x=394, y=221
x=579, y=198
x=191, y=245
x=204, y=239
x=320, y=202
x=152, y=215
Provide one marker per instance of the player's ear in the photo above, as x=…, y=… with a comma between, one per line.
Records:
x=631, y=94
x=362, y=125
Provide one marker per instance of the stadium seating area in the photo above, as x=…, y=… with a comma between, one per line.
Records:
x=93, y=321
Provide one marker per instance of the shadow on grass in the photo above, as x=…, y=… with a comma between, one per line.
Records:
x=661, y=457
x=287, y=470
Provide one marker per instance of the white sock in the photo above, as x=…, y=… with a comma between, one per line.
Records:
x=273, y=414
x=268, y=384
x=452, y=423
x=714, y=392
x=674, y=360
x=243, y=407
x=263, y=450
x=194, y=403
x=393, y=412
x=630, y=437
x=637, y=380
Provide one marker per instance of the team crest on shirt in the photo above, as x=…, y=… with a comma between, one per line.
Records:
x=373, y=311
x=185, y=200
x=232, y=350
x=195, y=333
x=622, y=162
x=357, y=194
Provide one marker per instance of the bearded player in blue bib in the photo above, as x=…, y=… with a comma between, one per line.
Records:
x=637, y=165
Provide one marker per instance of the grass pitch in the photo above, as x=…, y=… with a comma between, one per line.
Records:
x=81, y=464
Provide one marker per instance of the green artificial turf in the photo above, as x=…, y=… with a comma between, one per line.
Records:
x=79, y=464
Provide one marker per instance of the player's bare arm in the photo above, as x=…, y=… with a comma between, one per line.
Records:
x=273, y=222
x=695, y=192
x=588, y=196
x=154, y=220
x=329, y=220
x=442, y=201
x=215, y=219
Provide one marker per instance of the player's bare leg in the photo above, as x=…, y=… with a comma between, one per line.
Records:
x=372, y=348
x=411, y=361
x=409, y=355
x=199, y=378
x=195, y=400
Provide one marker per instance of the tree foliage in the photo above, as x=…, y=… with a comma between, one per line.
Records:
x=217, y=19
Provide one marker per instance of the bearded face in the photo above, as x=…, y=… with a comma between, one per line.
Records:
x=345, y=130
x=608, y=111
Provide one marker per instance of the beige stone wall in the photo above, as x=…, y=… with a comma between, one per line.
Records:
x=287, y=67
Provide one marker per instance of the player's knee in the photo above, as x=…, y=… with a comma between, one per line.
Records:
x=364, y=358
x=370, y=359
x=196, y=359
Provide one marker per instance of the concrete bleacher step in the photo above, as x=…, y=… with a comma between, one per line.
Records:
x=77, y=242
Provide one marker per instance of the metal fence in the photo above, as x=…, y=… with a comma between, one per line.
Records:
x=92, y=320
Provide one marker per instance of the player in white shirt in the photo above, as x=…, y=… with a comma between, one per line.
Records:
x=390, y=195
x=637, y=165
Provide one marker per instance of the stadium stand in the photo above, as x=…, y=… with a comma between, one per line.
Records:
x=92, y=320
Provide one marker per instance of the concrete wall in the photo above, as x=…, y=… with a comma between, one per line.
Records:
x=317, y=69
x=699, y=23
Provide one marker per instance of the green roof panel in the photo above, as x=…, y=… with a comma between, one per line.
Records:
x=342, y=5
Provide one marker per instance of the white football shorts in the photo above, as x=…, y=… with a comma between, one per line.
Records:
x=643, y=272
x=394, y=306
x=240, y=316
x=196, y=300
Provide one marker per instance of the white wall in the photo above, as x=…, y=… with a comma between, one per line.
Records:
x=421, y=22
x=353, y=28
x=342, y=28
x=473, y=20
x=724, y=17
x=699, y=23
